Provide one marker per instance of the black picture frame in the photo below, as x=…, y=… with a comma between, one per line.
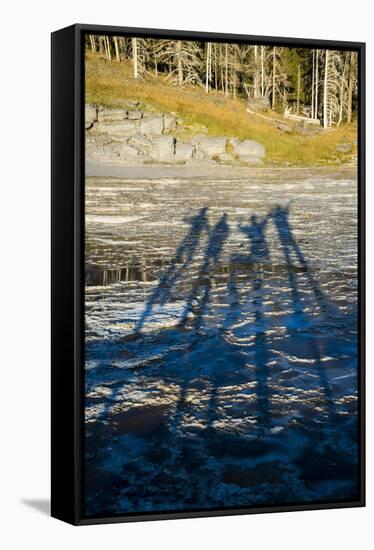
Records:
x=67, y=388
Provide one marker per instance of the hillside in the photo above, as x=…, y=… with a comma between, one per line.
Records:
x=111, y=84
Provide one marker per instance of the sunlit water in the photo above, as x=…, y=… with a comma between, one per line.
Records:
x=221, y=341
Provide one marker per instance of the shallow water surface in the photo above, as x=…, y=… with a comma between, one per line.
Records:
x=221, y=341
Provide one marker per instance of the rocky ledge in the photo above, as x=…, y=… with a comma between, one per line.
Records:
x=134, y=135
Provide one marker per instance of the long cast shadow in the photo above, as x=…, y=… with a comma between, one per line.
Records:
x=290, y=247
x=197, y=301
x=183, y=257
x=199, y=297
x=259, y=255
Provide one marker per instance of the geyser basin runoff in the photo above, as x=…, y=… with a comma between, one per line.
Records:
x=227, y=374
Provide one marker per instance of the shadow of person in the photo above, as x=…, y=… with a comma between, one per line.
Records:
x=254, y=262
x=198, y=298
x=291, y=248
x=183, y=257
x=299, y=321
x=260, y=256
x=197, y=303
x=255, y=232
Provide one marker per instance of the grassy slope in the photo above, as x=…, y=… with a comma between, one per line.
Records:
x=111, y=84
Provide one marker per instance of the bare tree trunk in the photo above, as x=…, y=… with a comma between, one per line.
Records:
x=215, y=68
x=298, y=89
x=262, y=71
x=123, y=42
x=93, y=43
x=342, y=86
x=221, y=65
x=109, y=54
x=273, y=91
x=208, y=64
x=317, y=87
x=350, y=89
x=256, y=76
x=325, y=91
x=284, y=98
x=226, y=71
x=179, y=62
x=313, y=64
x=234, y=75
x=134, y=42
x=115, y=39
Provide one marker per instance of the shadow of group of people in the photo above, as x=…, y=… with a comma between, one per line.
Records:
x=258, y=256
x=202, y=249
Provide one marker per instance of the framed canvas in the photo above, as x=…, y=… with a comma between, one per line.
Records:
x=207, y=274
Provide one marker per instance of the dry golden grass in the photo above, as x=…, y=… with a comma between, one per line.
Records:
x=111, y=84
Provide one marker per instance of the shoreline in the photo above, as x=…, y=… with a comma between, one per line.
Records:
x=156, y=171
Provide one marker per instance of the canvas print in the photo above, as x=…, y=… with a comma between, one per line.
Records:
x=221, y=269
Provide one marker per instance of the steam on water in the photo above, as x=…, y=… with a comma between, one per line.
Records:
x=221, y=341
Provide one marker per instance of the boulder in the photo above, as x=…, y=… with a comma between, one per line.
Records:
x=212, y=146
x=118, y=128
x=162, y=149
x=183, y=151
x=111, y=151
x=109, y=115
x=170, y=123
x=343, y=148
x=258, y=104
x=249, y=149
x=135, y=114
x=151, y=125
x=224, y=157
x=284, y=127
x=306, y=129
x=90, y=115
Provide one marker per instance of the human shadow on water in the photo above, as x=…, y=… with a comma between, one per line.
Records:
x=182, y=259
x=196, y=304
x=199, y=295
x=211, y=362
x=300, y=322
x=259, y=256
x=290, y=248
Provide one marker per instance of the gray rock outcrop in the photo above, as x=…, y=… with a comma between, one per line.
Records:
x=133, y=135
x=249, y=151
x=135, y=114
x=90, y=116
x=152, y=125
x=111, y=115
x=170, y=123
x=183, y=151
x=119, y=128
x=211, y=146
x=162, y=149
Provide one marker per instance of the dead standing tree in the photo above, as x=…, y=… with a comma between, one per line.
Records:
x=333, y=87
x=184, y=60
